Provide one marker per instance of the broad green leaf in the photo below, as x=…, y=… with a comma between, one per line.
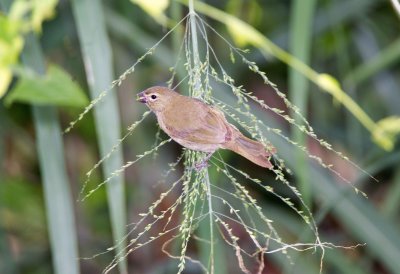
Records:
x=55, y=88
x=97, y=55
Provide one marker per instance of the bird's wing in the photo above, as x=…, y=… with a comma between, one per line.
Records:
x=212, y=129
x=205, y=125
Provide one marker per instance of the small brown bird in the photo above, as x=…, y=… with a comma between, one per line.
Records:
x=198, y=126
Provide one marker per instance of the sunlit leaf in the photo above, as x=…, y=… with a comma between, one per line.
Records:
x=41, y=11
x=155, y=8
x=5, y=80
x=251, y=12
x=386, y=134
x=11, y=43
x=328, y=82
x=19, y=9
x=239, y=33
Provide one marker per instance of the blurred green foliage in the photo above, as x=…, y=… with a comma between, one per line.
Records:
x=54, y=88
x=353, y=40
x=23, y=17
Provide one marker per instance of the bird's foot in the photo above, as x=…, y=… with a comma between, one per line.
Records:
x=203, y=163
x=200, y=165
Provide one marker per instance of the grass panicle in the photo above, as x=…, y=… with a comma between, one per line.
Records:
x=227, y=206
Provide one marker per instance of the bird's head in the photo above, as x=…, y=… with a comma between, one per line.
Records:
x=156, y=98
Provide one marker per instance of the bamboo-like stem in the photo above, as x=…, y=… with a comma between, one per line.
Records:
x=195, y=48
x=97, y=56
x=300, y=47
x=197, y=92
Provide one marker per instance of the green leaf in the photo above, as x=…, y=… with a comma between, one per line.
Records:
x=300, y=46
x=155, y=9
x=387, y=131
x=97, y=55
x=42, y=10
x=54, y=88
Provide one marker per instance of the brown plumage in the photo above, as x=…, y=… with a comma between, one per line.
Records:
x=198, y=126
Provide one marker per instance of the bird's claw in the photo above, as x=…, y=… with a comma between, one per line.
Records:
x=200, y=165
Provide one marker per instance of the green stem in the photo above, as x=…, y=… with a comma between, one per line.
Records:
x=197, y=92
x=196, y=57
x=300, y=45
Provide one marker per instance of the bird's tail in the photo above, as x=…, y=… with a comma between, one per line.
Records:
x=252, y=150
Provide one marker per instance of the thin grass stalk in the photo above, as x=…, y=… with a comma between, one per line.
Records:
x=122, y=29
x=96, y=52
x=324, y=81
x=355, y=213
x=382, y=60
x=302, y=15
x=334, y=257
x=177, y=36
x=382, y=80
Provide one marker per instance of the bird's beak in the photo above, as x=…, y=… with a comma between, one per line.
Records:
x=141, y=98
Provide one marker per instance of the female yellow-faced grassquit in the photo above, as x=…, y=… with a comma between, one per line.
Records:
x=198, y=126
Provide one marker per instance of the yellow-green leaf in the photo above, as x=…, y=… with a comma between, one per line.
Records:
x=387, y=131
x=19, y=9
x=11, y=43
x=239, y=33
x=252, y=13
x=154, y=8
x=54, y=88
x=328, y=82
x=41, y=11
x=5, y=80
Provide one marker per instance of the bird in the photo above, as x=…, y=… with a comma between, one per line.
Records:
x=201, y=127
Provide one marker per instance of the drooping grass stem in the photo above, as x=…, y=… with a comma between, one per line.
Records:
x=197, y=92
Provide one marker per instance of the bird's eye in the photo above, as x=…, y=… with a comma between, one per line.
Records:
x=153, y=96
